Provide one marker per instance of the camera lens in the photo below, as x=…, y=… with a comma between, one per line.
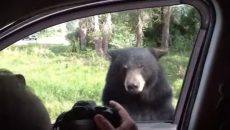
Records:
x=85, y=104
x=100, y=109
x=79, y=125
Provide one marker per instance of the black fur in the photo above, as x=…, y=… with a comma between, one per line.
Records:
x=19, y=108
x=155, y=101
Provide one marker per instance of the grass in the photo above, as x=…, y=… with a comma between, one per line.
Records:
x=175, y=65
x=61, y=78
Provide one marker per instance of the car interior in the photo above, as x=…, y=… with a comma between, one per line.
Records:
x=203, y=98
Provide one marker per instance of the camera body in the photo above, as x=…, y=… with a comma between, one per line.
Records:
x=81, y=117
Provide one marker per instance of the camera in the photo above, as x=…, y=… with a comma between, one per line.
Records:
x=81, y=117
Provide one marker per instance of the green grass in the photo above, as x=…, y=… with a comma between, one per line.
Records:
x=175, y=65
x=61, y=78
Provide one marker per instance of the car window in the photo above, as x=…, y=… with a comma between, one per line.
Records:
x=99, y=58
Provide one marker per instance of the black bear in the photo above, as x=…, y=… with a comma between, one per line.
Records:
x=20, y=109
x=136, y=80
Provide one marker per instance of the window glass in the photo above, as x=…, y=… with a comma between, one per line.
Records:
x=69, y=62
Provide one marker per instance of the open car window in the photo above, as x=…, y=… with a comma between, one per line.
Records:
x=86, y=57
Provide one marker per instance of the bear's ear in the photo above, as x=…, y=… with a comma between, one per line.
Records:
x=5, y=71
x=112, y=54
x=158, y=52
x=21, y=79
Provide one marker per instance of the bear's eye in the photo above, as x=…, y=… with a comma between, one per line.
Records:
x=140, y=66
x=125, y=67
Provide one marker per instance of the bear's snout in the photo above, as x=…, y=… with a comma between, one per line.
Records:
x=134, y=82
x=132, y=86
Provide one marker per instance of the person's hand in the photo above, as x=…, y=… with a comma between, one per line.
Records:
x=127, y=123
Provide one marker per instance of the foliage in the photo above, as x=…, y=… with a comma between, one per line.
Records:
x=73, y=38
x=185, y=26
x=122, y=36
x=183, y=29
x=153, y=30
x=73, y=34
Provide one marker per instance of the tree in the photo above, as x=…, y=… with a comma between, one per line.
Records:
x=165, y=38
x=123, y=31
x=153, y=27
x=102, y=36
x=72, y=34
x=106, y=33
x=139, y=28
x=185, y=26
x=82, y=33
x=136, y=22
x=97, y=36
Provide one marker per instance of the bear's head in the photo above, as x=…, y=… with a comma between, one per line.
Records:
x=9, y=78
x=136, y=68
x=20, y=108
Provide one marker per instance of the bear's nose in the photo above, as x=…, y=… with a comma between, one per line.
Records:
x=132, y=86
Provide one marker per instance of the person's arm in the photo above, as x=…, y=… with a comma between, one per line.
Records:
x=127, y=123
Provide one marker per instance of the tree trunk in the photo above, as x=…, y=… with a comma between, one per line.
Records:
x=72, y=34
x=82, y=34
x=107, y=31
x=97, y=37
x=165, y=39
x=98, y=46
x=73, y=46
x=139, y=29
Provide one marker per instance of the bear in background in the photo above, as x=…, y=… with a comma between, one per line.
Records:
x=136, y=80
x=20, y=109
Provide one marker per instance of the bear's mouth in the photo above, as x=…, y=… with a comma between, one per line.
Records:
x=133, y=90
